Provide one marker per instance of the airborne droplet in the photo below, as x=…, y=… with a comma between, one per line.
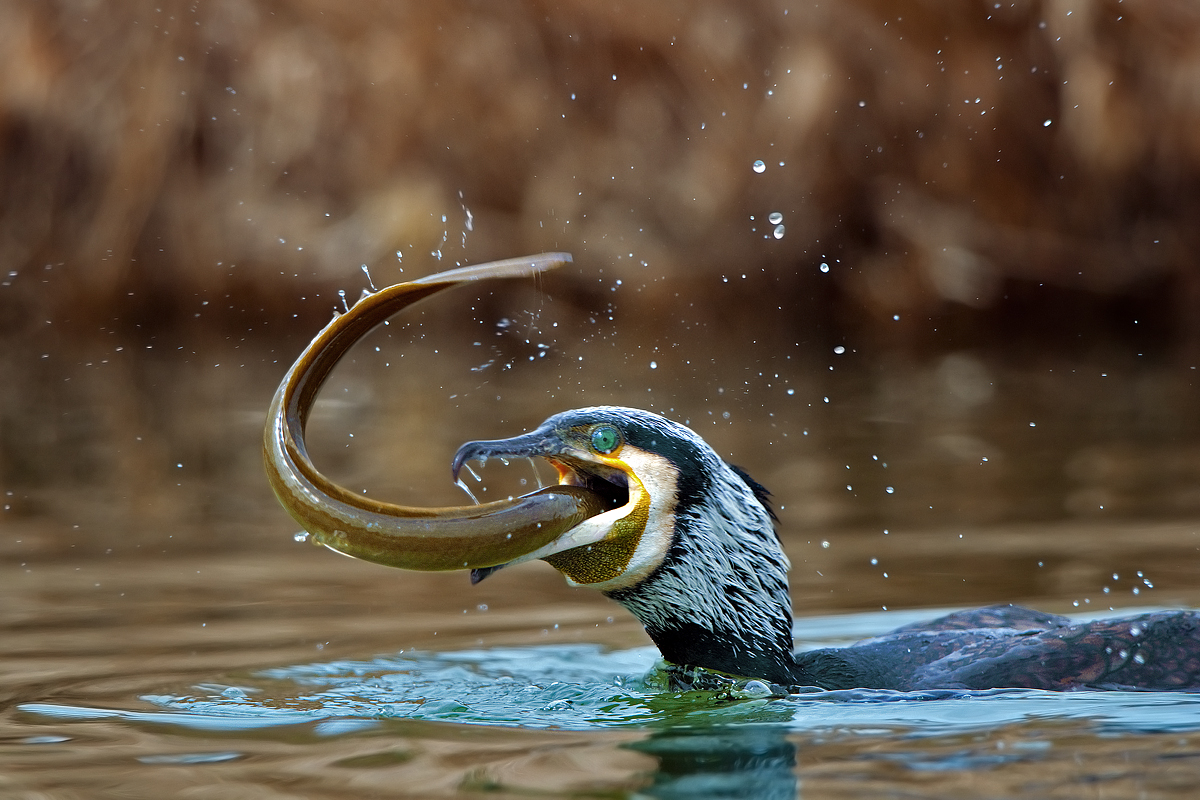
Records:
x=760, y=166
x=370, y=282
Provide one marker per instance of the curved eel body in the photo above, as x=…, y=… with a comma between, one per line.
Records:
x=462, y=537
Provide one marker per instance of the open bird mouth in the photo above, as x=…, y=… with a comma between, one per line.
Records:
x=609, y=484
x=606, y=484
x=612, y=485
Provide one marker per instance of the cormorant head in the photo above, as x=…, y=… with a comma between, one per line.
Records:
x=688, y=544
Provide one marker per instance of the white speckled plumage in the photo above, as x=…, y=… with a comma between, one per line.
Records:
x=725, y=571
x=709, y=566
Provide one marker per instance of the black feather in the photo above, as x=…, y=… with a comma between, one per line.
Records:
x=761, y=493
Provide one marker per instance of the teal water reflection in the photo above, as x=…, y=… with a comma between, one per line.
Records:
x=583, y=687
x=382, y=713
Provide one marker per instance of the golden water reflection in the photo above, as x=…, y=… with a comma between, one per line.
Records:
x=143, y=553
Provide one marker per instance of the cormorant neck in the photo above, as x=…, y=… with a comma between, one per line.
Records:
x=688, y=644
x=719, y=598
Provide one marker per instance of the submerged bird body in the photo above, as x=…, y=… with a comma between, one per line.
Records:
x=689, y=548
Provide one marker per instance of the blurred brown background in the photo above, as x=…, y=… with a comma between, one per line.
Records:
x=991, y=206
x=940, y=152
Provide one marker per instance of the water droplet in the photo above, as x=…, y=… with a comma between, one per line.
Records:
x=839, y=349
x=462, y=485
x=779, y=231
x=760, y=166
x=301, y=536
x=775, y=218
x=653, y=365
x=1046, y=124
x=756, y=688
x=824, y=267
x=890, y=490
x=825, y=545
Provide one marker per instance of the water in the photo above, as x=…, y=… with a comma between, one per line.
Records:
x=164, y=633
x=585, y=687
x=572, y=719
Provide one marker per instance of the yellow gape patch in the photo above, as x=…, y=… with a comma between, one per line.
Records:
x=608, y=558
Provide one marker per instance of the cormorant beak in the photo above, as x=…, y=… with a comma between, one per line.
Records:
x=604, y=478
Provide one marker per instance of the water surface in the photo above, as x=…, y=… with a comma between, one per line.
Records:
x=163, y=633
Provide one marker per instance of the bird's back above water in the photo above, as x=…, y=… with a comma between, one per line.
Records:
x=1010, y=646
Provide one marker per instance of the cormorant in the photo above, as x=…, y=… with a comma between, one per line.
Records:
x=690, y=549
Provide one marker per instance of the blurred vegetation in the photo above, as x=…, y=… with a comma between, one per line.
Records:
x=990, y=208
x=937, y=155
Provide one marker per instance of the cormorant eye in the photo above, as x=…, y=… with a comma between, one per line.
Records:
x=605, y=439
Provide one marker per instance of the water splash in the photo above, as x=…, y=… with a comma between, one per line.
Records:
x=586, y=687
x=536, y=475
x=370, y=282
x=583, y=687
x=460, y=483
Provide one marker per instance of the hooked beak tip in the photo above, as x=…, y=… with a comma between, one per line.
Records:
x=456, y=464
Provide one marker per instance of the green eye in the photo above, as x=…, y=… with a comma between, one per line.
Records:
x=605, y=439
